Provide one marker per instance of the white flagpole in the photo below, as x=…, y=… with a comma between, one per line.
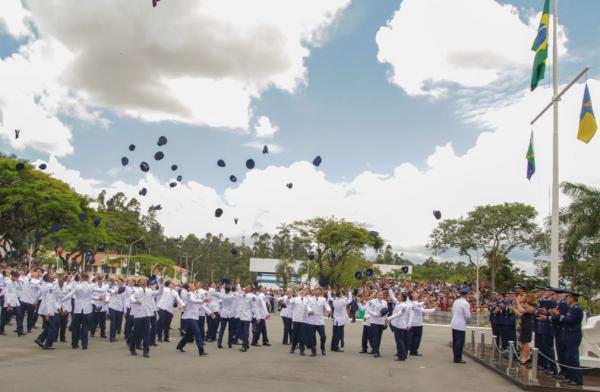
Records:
x=555, y=240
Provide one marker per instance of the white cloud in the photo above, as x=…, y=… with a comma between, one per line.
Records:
x=198, y=62
x=14, y=19
x=399, y=205
x=264, y=128
x=430, y=43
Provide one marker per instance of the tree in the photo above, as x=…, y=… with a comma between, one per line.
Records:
x=333, y=240
x=495, y=230
x=284, y=270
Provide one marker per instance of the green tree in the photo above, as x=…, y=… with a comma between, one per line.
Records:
x=495, y=230
x=284, y=270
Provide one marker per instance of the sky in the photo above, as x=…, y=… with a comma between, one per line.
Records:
x=413, y=105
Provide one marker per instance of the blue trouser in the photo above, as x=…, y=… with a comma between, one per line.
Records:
x=402, y=337
x=4, y=317
x=366, y=338
x=561, y=352
x=287, y=330
x=201, y=322
x=298, y=335
x=48, y=331
x=192, y=332
x=79, y=330
x=98, y=319
x=164, y=324
x=116, y=317
x=572, y=359
x=548, y=350
x=376, y=332
x=236, y=329
x=337, y=336
x=244, y=333
x=141, y=333
x=259, y=328
x=226, y=322
x=152, y=335
x=313, y=330
x=128, y=324
x=62, y=320
x=458, y=342
x=31, y=315
x=415, y=335
x=213, y=326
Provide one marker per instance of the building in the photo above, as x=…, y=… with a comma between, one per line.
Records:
x=265, y=271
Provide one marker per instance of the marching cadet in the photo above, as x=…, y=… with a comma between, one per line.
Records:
x=99, y=306
x=245, y=314
x=286, y=316
x=417, y=309
x=128, y=317
x=461, y=313
x=299, y=321
x=366, y=338
x=261, y=315
x=228, y=298
x=401, y=319
x=195, y=301
x=31, y=293
x=570, y=335
x=318, y=307
x=11, y=303
x=168, y=302
x=377, y=309
x=62, y=287
x=213, y=297
x=142, y=309
x=82, y=294
x=340, y=318
x=116, y=307
x=48, y=309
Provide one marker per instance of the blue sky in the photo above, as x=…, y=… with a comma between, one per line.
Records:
x=347, y=109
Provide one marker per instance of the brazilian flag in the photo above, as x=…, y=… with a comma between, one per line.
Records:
x=540, y=47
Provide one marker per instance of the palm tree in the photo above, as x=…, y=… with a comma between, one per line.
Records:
x=308, y=268
x=284, y=270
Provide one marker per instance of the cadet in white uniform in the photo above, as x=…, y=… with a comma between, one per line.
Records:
x=461, y=313
x=191, y=315
x=299, y=321
x=128, y=317
x=100, y=301
x=116, y=308
x=340, y=318
x=82, y=294
x=62, y=287
x=32, y=291
x=286, y=316
x=416, y=324
x=246, y=313
x=168, y=302
x=11, y=303
x=401, y=319
x=317, y=309
x=213, y=296
x=228, y=299
x=48, y=309
x=377, y=309
x=259, y=322
x=142, y=309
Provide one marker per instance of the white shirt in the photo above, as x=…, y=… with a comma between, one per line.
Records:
x=402, y=315
x=374, y=308
x=100, y=296
x=61, y=293
x=142, y=302
x=49, y=305
x=299, y=311
x=32, y=291
x=194, y=303
x=228, y=303
x=246, y=306
x=366, y=317
x=214, y=298
x=417, y=309
x=117, y=301
x=168, y=298
x=82, y=293
x=11, y=293
x=260, y=307
x=287, y=310
x=318, y=307
x=340, y=312
x=460, y=314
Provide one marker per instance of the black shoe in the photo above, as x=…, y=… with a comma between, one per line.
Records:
x=398, y=359
x=180, y=349
x=371, y=352
x=103, y=336
x=571, y=382
x=133, y=352
x=229, y=346
x=302, y=353
x=39, y=343
x=336, y=350
x=113, y=340
x=461, y=361
x=139, y=347
x=243, y=349
x=2, y=333
x=322, y=352
x=202, y=353
x=146, y=355
x=84, y=348
x=48, y=348
x=92, y=336
x=160, y=340
x=376, y=355
x=219, y=346
x=313, y=354
x=363, y=352
x=255, y=345
x=166, y=340
x=559, y=377
x=267, y=344
x=21, y=334
x=292, y=351
x=75, y=347
x=63, y=340
x=416, y=355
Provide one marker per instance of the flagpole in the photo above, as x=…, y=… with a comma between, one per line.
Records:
x=554, y=251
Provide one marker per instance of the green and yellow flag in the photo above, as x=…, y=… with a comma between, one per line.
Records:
x=540, y=47
x=587, y=120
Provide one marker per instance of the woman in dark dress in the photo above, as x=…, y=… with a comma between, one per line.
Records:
x=525, y=308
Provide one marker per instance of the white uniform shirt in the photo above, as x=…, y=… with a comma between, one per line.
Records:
x=402, y=315
x=246, y=306
x=340, y=311
x=318, y=306
x=168, y=298
x=228, y=303
x=49, y=305
x=299, y=311
x=260, y=311
x=461, y=313
x=194, y=303
x=61, y=293
x=82, y=293
x=32, y=291
x=374, y=308
x=11, y=293
x=100, y=296
x=214, y=299
x=142, y=302
x=117, y=301
x=287, y=310
x=417, y=310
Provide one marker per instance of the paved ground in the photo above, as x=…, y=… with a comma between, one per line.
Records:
x=109, y=367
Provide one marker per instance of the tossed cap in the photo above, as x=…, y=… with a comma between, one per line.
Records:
x=124, y=161
x=132, y=147
x=159, y=155
x=144, y=167
x=161, y=141
x=218, y=212
x=221, y=163
x=317, y=161
x=250, y=164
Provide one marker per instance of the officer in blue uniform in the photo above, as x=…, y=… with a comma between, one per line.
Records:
x=570, y=336
x=499, y=305
x=545, y=331
x=561, y=305
x=510, y=323
x=493, y=317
